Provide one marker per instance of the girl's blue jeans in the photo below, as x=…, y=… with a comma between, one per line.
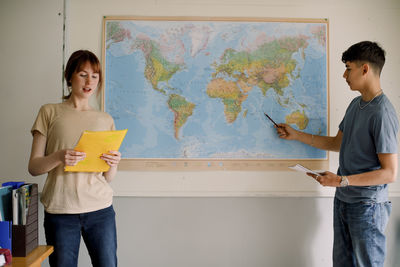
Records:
x=359, y=239
x=98, y=230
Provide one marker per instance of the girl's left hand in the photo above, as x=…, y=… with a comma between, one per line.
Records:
x=112, y=158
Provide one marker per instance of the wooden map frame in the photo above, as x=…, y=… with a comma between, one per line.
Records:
x=215, y=164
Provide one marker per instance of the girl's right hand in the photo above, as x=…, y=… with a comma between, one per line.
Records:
x=71, y=157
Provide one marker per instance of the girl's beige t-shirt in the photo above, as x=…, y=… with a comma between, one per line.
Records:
x=72, y=192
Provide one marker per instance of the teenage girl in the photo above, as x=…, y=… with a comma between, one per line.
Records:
x=76, y=203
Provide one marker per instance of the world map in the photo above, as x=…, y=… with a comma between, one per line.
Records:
x=199, y=89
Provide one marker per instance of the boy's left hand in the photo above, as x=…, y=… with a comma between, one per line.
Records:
x=327, y=179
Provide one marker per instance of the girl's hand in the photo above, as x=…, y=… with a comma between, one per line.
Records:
x=71, y=157
x=112, y=158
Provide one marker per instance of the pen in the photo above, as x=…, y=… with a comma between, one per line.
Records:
x=271, y=120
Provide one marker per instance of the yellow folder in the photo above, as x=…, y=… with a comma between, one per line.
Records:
x=94, y=144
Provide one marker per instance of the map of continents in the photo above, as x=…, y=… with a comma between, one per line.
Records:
x=199, y=89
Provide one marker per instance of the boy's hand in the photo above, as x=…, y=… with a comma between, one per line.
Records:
x=327, y=179
x=286, y=132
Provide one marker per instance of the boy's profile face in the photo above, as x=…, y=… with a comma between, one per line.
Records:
x=354, y=75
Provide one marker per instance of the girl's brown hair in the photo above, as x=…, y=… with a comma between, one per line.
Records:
x=75, y=63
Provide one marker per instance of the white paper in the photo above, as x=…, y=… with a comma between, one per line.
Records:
x=301, y=168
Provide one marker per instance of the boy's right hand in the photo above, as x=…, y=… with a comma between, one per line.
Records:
x=286, y=132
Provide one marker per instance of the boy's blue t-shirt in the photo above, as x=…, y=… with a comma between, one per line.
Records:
x=367, y=132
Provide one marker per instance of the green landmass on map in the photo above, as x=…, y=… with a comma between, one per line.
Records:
x=182, y=109
x=115, y=33
x=298, y=118
x=267, y=67
x=158, y=68
x=231, y=96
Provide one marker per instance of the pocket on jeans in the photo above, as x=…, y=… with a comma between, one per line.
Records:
x=363, y=212
x=386, y=209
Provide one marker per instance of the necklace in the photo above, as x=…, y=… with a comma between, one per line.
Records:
x=359, y=102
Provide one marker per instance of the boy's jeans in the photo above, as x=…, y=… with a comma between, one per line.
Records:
x=63, y=231
x=359, y=238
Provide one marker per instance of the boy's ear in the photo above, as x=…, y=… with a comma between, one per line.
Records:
x=365, y=68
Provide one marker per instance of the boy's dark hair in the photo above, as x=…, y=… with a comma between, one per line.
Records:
x=366, y=51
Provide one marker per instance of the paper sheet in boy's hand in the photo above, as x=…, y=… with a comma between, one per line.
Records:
x=94, y=144
x=301, y=168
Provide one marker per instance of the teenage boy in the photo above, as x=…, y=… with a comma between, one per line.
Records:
x=367, y=143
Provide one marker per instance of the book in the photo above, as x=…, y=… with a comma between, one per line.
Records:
x=5, y=234
x=25, y=236
x=24, y=196
x=5, y=203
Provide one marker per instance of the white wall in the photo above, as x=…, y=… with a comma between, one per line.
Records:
x=191, y=231
x=30, y=74
x=349, y=22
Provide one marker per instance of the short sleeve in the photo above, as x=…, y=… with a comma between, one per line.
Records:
x=385, y=130
x=41, y=123
x=112, y=123
x=341, y=125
